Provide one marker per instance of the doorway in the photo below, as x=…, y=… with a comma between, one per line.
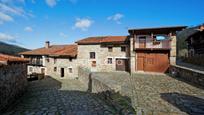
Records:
x=62, y=72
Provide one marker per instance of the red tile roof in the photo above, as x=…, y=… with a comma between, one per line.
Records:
x=54, y=50
x=8, y=58
x=103, y=39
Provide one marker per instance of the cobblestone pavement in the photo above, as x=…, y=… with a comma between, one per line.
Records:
x=158, y=94
x=58, y=97
x=161, y=94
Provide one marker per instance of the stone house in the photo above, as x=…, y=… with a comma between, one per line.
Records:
x=195, y=41
x=104, y=54
x=53, y=60
x=147, y=50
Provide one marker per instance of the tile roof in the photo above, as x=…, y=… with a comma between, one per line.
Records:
x=54, y=50
x=8, y=58
x=103, y=39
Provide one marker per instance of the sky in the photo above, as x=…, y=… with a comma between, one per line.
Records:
x=29, y=23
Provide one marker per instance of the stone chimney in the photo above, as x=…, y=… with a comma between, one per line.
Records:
x=47, y=44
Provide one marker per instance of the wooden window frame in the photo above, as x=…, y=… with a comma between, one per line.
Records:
x=55, y=69
x=123, y=48
x=92, y=55
x=110, y=60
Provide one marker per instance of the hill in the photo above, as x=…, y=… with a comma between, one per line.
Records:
x=11, y=49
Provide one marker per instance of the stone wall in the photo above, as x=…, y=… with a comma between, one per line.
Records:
x=191, y=75
x=173, y=50
x=110, y=93
x=84, y=76
x=102, y=54
x=13, y=81
x=59, y=63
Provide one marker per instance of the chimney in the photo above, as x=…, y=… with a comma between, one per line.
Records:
x=47, y=44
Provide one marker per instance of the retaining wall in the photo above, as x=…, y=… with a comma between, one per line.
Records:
x=13, y=81
x=191, y=75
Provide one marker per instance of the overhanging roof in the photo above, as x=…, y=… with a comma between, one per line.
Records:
x=156, y=30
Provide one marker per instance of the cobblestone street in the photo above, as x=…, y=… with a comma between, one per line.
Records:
x=58, y=97
x=162, y=94
x=157, y=94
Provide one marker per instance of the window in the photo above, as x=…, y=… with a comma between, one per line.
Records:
x=110, y=60
x=70, y=70
x=92, y=55
x=70, y=59
x=55, y=60
x=48, y=60
x=123, y=49
x=93, y=64
x=110, y=49
x=160, y=37
x=55, y=69
x=30, y=69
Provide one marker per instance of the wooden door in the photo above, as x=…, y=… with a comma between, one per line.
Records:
x=62, y=72
x=152, y=62
x=140, y=61
x=121, y=64
x=156, y=62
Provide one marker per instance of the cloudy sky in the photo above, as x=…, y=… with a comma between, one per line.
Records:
x=29, y=23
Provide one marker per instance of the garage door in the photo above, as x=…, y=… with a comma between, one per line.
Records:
x=152, y=62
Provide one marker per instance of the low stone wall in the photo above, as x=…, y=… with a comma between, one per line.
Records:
x=191, y=75
x=109, y=92
x=13, y=81
x=84, y=76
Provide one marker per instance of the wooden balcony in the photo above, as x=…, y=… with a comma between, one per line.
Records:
x=153, y=45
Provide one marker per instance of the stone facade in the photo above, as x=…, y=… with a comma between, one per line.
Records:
x=173, y=52
x=102, y=55
x=70, y=67
x=13, y=81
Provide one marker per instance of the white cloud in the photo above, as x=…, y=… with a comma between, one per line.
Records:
x=11, y=10
x=117, y=17
x=6, y=37
x=5, y=18
x=51, y=3
x=83, y=24
x=63, y=35
x=28, y=29
x=8, y=11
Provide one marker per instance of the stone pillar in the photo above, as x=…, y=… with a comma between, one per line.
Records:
x=173, y=50
x=132, y=55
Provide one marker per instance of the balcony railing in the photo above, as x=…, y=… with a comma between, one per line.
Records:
x=36, y=62
x=163, y=44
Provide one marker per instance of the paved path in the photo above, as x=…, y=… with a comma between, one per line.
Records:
x=158, y=94
x=161, y=94
x=58, y=97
